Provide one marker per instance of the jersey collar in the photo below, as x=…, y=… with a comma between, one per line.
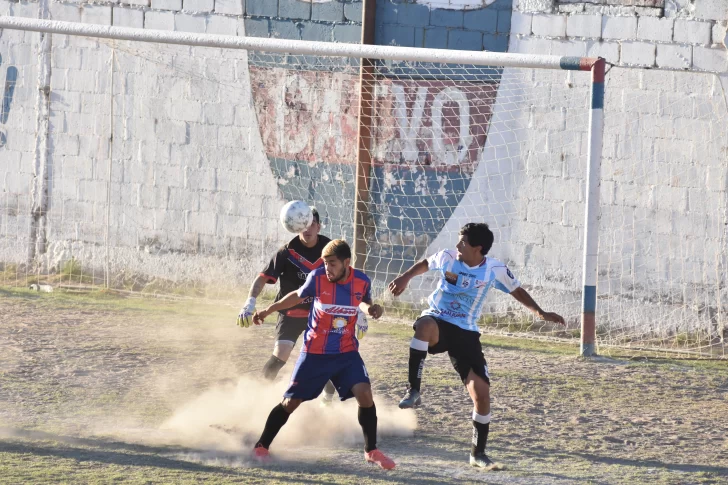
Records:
x=347, y=280
x=482, y=263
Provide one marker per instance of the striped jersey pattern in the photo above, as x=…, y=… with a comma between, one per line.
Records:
x=332, y=321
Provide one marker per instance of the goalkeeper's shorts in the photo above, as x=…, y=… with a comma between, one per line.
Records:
x=290, y=328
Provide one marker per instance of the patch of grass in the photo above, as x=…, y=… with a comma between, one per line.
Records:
x=532, y=345
x=72, y=267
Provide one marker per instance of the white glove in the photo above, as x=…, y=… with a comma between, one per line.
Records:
x=361, y=325
x=245, y=317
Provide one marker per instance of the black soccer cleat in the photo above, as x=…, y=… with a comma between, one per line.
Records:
x=411, y=400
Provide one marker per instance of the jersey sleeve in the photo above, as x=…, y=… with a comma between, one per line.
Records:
x=504, y=279
x=368, y=293
x=275, y=267
x=308, y=290
x=438, y=260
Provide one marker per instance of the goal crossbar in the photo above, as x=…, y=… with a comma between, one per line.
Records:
x=363, y=51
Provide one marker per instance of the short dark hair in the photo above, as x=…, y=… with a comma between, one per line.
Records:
x=315, y=215
x=478, y=234
x=338, y=248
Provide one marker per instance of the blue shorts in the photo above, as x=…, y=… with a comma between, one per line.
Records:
x=313, y=371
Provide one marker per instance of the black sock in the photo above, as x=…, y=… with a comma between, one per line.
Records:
x=330, y=389
x=368, y=422
x=416, y=364
x=480, y=437
x=276, y=419
x=271, y=368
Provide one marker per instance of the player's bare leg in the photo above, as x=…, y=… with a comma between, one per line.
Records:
x=427, y=334
x=276, y=420
x=479, y=391
x=281, y=352
x=368, y=421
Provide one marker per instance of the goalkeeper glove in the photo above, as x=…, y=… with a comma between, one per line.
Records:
x=245, y=317
x=361, y=325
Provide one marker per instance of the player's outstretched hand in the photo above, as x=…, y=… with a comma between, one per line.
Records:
x=259, y=316
x=245, y=317
x=375, y=311
x=398, y=285
x=554, y=317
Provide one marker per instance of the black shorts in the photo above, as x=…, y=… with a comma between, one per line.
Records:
x=290, y=328
x=463, y=347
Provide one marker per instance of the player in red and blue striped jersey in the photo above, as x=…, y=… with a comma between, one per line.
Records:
x=330, y=348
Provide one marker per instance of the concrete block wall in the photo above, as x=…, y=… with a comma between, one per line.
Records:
x=663, y=190
x=18, y=92
x=627, y=35
x=439, y=26
x=334, y=21
x=187, y=172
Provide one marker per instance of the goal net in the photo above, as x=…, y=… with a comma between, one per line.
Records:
x=161, y=168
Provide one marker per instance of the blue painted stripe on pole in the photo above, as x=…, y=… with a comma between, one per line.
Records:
x=570, y=63
x=590, y=299
x=597, y=96
x=588, y=350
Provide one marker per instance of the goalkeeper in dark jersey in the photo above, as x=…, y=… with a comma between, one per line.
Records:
x=290, y=267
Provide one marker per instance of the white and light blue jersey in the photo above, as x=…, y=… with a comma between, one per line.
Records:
x=461, y=291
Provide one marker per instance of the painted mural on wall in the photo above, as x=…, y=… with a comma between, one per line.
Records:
x=430, y=127
x=456, y=4
x=9, y=80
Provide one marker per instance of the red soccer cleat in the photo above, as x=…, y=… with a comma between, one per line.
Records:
x=376, y=456
x=261, y=454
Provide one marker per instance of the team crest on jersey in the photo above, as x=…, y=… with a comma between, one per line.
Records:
x=358, y=295
x=451, y=278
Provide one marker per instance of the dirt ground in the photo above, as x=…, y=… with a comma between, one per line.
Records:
x=98, y=388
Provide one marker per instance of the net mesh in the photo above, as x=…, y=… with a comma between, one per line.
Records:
x=167, y=165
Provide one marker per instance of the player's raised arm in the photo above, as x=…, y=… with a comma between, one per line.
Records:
x=526, y=300
x=399, y=284
x=289, y=301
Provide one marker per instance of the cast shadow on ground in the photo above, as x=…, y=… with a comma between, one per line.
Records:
x=99, y=450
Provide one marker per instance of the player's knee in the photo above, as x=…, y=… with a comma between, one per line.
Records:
x=282, y=349
x=425, y=327
x=363, y=394
x=290, y=404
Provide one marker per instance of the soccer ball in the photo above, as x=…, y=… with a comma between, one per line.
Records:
x=296, y=216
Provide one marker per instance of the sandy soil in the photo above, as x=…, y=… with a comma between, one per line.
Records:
x=168, y=392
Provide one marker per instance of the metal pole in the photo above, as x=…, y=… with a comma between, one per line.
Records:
x=39, y=189
x=363, y=223
x=480, y=58
x=592, y=216
x=107, y=258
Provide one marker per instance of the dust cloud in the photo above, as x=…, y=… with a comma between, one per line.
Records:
x=229, y=418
